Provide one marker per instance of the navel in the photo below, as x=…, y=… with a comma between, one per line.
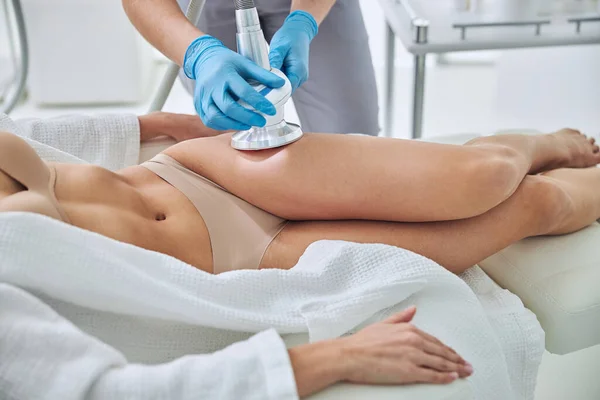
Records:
x=160, y=217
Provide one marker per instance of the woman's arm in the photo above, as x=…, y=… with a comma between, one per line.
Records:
x=179, y=127
x=112, y=141
x=317, y=8
x=164, y=25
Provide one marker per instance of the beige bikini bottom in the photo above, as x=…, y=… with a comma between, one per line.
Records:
x=240, y=233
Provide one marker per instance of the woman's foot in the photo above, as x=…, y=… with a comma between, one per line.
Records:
x=566, y=148
x=578, y=202
x=579, y=150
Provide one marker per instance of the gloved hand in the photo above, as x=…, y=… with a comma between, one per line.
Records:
x=290, y=47
x=221, y=80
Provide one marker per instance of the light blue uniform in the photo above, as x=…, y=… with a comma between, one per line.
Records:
x=340, y=95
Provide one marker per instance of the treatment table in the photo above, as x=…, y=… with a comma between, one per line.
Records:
x=557, y=278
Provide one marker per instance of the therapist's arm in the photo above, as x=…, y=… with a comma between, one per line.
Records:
x=317, y=8
x=164, y=25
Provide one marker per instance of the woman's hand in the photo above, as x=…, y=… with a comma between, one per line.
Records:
x=179, y=127
x=395, y=352
x=391, y=352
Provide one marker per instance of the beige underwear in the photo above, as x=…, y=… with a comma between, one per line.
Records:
x=239, y=232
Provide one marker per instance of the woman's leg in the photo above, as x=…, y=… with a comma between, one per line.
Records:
x=334, y=177
x=559, y=202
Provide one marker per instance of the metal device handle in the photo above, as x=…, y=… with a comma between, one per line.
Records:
x=251, y=41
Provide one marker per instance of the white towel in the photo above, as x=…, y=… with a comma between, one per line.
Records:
x=154, y=309
x=137, y=306
x=112, y=141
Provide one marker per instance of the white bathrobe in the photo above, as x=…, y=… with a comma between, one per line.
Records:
x=84, y=316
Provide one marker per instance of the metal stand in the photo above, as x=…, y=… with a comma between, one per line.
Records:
x=421, y=33
x=581, y=20
x=13, y=96
x=390, y=81
x=470, y=25
x=418, y=96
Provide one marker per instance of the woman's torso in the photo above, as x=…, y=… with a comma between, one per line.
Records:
x=133, y=206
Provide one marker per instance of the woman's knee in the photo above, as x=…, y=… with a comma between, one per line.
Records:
x=546, y=202
x=494, y=173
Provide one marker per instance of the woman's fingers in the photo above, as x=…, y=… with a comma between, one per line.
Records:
x=434, y=339
x=442, y=364
x=402, y=317
x=425, y=375
x=441, y=350
x=433, y=345
x=395, y=351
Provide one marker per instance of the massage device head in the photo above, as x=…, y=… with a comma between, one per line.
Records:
x=276, y=132
x=252, y=45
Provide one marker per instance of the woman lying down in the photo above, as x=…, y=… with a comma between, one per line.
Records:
x=219, y=210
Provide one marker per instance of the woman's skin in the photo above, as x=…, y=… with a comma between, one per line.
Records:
x=456, y=205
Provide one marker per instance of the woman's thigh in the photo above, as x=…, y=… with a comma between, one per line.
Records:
x=334, y=177
x=455, y=245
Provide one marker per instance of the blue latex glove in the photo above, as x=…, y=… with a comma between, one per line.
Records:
x=221, y=80
x=290, y=47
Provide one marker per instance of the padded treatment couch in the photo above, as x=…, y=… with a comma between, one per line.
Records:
x=558, y=278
